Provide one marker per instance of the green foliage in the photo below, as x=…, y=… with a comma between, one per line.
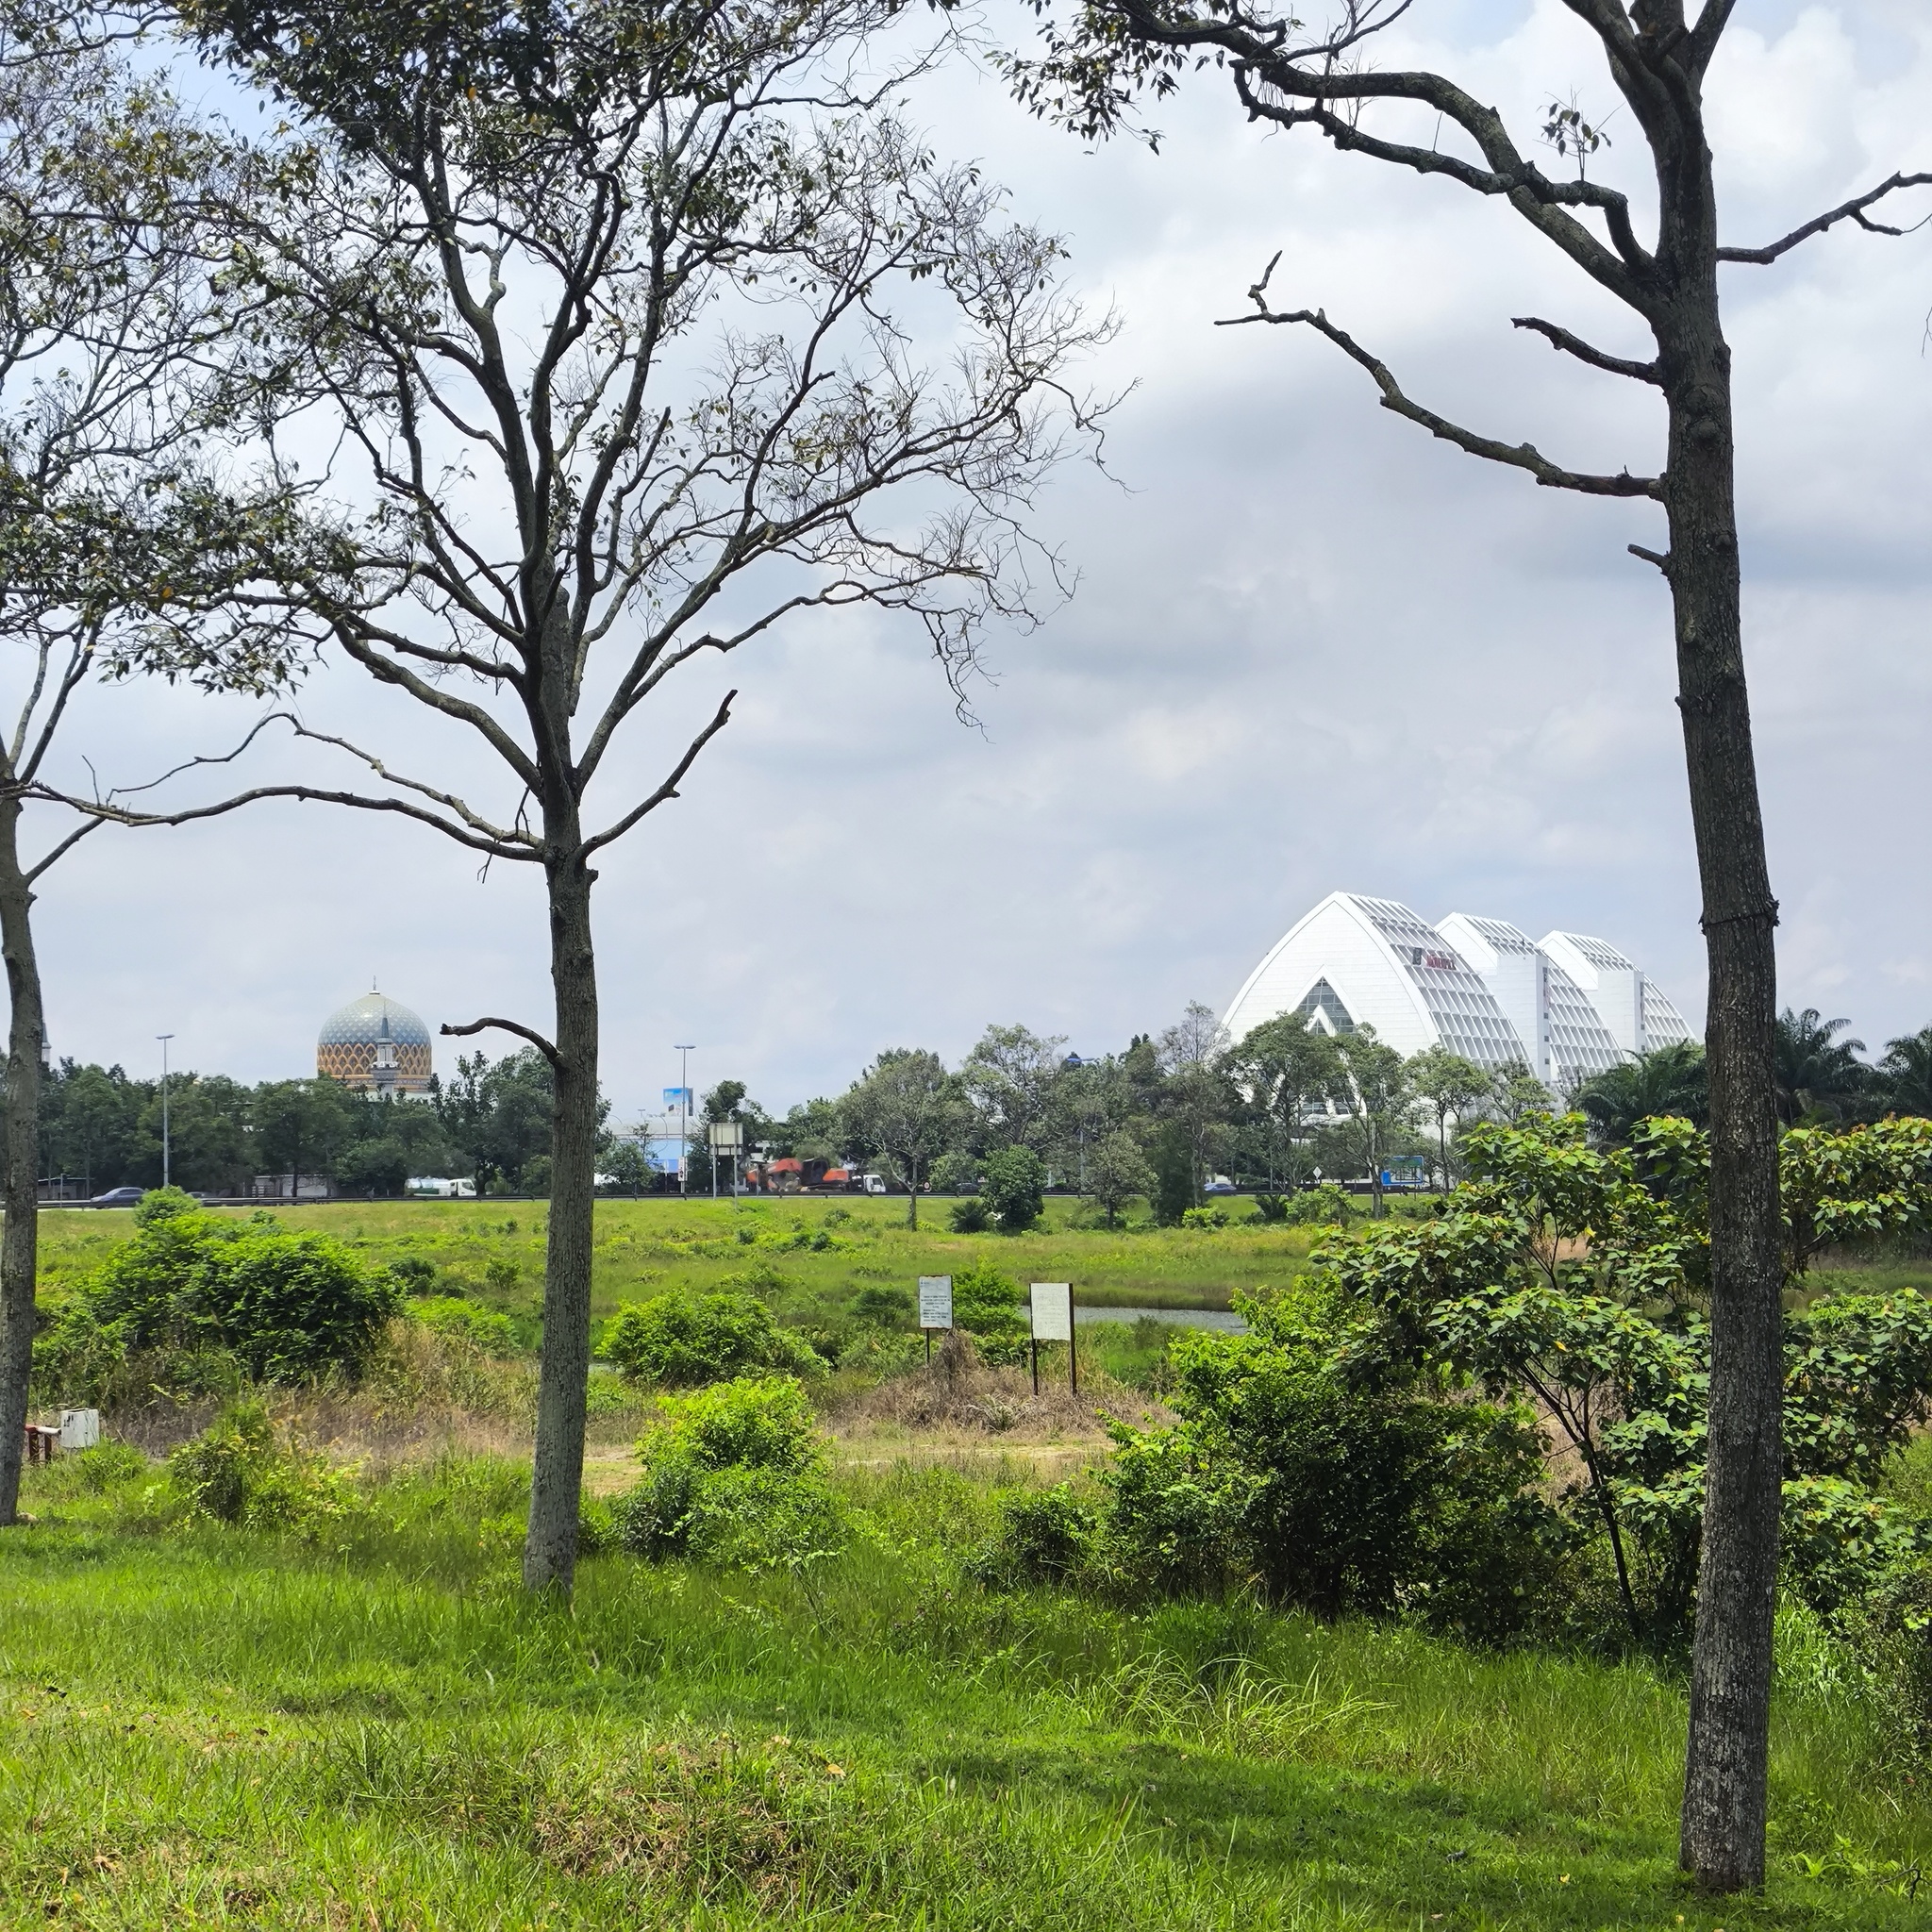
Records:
x=242, y=1470
x=986, y=1302
x=1013, y=1186
x=883, y=1308
x=488, y=1330
x=190, y=1287
x=1045, y=1536
x=1577, y=1277
x=416, y=1274
x=1271, y=1208
x=680, y=1341
x=162, y=1203
x=1211, y=1218
x=1174, y=1174
x=1669, y=1082
x=969, y=1216
x=1117, y=1171
x=1332, y=1496
x=735, y=1477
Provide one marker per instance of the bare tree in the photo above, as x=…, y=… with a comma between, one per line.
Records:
x=649, y=328
x=1098, y=60
x=117, y=544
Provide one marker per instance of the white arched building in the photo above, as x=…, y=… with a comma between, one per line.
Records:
x=1566, y=1007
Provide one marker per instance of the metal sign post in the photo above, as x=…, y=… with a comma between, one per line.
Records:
x=1053, y=1321
x=935, y=1306
x=726, y=1137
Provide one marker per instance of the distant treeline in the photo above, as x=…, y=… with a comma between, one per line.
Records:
x=493, y=1120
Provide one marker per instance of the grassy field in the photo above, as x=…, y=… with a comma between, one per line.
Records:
x=811, y=1257
x=376, y=1730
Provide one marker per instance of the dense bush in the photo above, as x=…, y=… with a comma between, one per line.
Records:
x=1013, y=1187
x=735, y=1477
x=682, y=1342
x=205, y=1302
x=970, y=1215
x=162, y=1203
x=242, y=1470
x=488, y=1330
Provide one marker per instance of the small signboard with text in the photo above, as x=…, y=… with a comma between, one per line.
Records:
x=1053, y=1311
x=935, y=1301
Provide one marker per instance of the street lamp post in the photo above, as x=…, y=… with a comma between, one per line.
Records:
x=684, y=1129
x=164, y=1038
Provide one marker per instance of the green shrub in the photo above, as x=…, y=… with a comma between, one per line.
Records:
x=191, y=1293
x=1212, y=1218
x=416, y=1274
x=1271, y=1208
x=883, y=1308
x=1045, y=1536
x=986, y=1302
x=488, y=1330
x=735, y=1478
x=970, y=1215
x=242, y=1469
x=680, y=1341
x=163, y=1204
x=1013, y=1187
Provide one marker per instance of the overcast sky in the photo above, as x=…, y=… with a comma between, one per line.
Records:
x=1310, y=648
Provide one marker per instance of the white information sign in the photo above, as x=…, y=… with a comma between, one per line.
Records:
x=935, y=1301
x=1053, y=1311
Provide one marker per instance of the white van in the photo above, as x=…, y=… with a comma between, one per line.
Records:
x=435, y=1188
x=872, y=1184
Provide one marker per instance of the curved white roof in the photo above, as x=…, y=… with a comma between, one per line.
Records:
x=1567, y=1007
x=1358, y=961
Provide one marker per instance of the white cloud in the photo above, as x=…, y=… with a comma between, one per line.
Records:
x=1311, y=648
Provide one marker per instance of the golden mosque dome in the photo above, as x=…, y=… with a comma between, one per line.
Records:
x=375, y=1044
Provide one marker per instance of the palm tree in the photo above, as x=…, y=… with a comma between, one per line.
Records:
x=1907, y=1071
x=1817, y=1073
x=1668, y=1081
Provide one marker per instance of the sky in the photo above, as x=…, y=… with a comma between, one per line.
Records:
x=1309, y=648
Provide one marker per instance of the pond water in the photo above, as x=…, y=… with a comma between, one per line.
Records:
x=1180, y=1318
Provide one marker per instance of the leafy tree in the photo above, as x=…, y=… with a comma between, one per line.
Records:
x=1196, y=1092
x=1578, y=1277
x=1818, y=1073
x=301, y=1126
x=986, y=1302
x=906, y=1110
x=629, y=1168
x=1176, y=1179
x=1013, y=1078
x=1288, y=1065
x=377, y=1167
x=628, y=314
x=1116, y=1171
x=1013, y=1189
x=1515, y=1093
x=119, y=545
x=1374, y=1093
x=1668, y=1082
x=1907, y=1071
x=1446, y=1084
x=1099, y=58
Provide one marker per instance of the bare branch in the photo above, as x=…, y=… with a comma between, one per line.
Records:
x=669, y=788
x=1574, y=345
x=536, y=1039
x=66, y=845
x=1521, y=456
x=1853, y=210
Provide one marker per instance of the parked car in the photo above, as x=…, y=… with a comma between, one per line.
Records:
x=118, y=1197
x=1218, y=1184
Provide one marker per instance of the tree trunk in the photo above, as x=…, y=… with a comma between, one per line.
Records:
x=1723, y=1818
x=20, y=1161
x=550, y=1550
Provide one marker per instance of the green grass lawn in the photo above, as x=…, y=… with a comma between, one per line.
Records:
x=376, y=1730
x=494, y=1251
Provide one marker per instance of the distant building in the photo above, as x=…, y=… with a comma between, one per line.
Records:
x=1565, y=1006
x=376, y=1045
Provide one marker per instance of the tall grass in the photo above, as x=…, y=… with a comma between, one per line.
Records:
x=374, y=1726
